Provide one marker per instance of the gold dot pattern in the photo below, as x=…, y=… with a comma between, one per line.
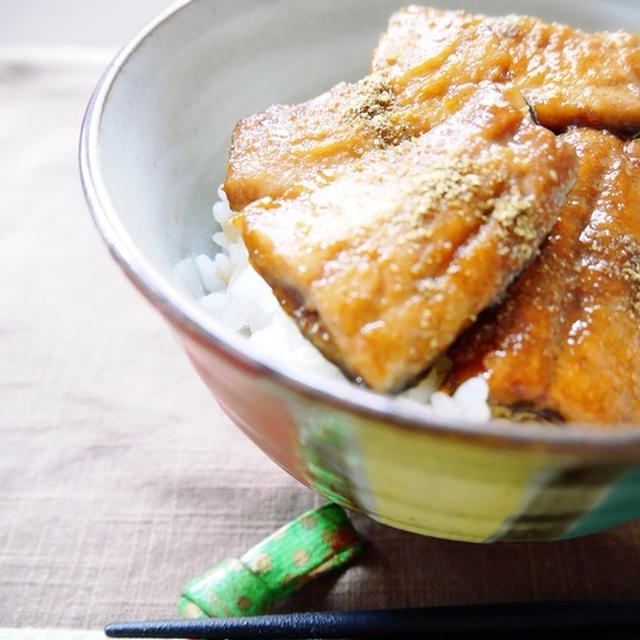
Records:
x=308, y=521
x=315, y=542
x=261, y=563
x=301, y=557
x=327, y=537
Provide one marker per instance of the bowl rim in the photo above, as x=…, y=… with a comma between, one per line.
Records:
x=612, y=443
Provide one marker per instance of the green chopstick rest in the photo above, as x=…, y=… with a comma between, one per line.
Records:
x=317, y=541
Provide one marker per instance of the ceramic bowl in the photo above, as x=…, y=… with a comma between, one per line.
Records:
x=153, y=152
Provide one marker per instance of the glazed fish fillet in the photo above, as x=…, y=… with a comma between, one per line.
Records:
x=570, y=77
x=384, y=260
x=273, y=152
x=425, y=67
x=566, y=340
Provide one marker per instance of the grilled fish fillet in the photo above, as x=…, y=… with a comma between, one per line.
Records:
x=384, y=260
x=274, y=151
x=566, y=339
x=425, y=67
x=570, y=77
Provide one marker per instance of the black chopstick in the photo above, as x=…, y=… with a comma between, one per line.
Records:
x=586, y=617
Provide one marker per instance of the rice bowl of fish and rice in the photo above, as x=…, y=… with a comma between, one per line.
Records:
x=425, y=462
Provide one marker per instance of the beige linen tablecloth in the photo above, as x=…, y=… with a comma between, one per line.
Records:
x=120, y=478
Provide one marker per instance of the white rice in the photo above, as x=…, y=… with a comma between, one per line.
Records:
x=230, y=289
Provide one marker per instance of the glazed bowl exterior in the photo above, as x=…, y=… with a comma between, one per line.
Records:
x=152, y=154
